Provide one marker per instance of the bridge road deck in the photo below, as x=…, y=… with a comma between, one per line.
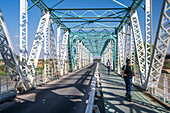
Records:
x=65, y=95
x=113, y=88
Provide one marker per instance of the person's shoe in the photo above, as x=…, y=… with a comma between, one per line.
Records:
x=126, y=97
x=130, y=98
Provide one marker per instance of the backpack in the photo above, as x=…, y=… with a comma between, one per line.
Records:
x=108, y=63
x=131, y=68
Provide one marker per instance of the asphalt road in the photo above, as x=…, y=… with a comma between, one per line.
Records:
x=68, y=94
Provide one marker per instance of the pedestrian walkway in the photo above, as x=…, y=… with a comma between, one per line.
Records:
x=113, y=88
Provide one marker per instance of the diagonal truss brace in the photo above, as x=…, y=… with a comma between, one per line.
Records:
x=46, y=54
x=23, y=36
x=8, y=55
x=120, y=51
x=37, y=45
x=53, y=48
x=160, y=46
x=59, y=42
x=148, y=34
x=63, y=51
x=139, y=45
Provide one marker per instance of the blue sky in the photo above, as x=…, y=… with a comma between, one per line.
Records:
x=10, y=10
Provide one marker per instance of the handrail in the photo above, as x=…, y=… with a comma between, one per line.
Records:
x=89, y=108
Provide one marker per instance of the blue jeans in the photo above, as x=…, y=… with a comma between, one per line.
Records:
x=128, y=83
x=108, y=69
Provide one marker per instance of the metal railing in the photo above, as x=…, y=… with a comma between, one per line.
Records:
x=163, y=89
x=41, y=79
x=6, y=87
x=90, y=105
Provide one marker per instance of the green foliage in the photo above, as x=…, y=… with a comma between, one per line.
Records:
x=167, y=64
x=40, y=59
x=3, y=68
x=39, y=68
x=3, y=73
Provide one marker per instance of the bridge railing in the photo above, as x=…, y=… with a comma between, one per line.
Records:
x=6, y=87
x=90, y=105
x=40, y=77
x=163, y=89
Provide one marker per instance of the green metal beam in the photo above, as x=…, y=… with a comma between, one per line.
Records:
x=93, y=45
x=120, y=3
x=87, y=46
x=105, y=45
x=88, y=38
x=90, y=21
x=92, y=34
x=56, y=4
x=132, y=8
x=104, y=17
x=114, y=27
x=40, y=4
x=113, y=14
x=80, y=17
x=92, y=31
x=91, y=9
x=33, y=5
x=67, y=15
x=98, y=36
x=143, y=7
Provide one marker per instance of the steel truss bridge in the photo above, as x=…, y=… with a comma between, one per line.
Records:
x=82, y=33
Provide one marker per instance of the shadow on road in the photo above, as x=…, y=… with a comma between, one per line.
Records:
x=66, y=95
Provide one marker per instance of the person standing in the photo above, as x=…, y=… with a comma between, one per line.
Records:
x=108, y=66
x=128, y=72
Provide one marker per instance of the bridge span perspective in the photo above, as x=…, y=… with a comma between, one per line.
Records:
x=93, y=56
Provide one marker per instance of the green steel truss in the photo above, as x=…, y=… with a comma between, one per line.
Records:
x=93, y=26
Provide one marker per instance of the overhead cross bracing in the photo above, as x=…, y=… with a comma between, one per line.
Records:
x=94, y=39
x=87, y=18
x=92, y=24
